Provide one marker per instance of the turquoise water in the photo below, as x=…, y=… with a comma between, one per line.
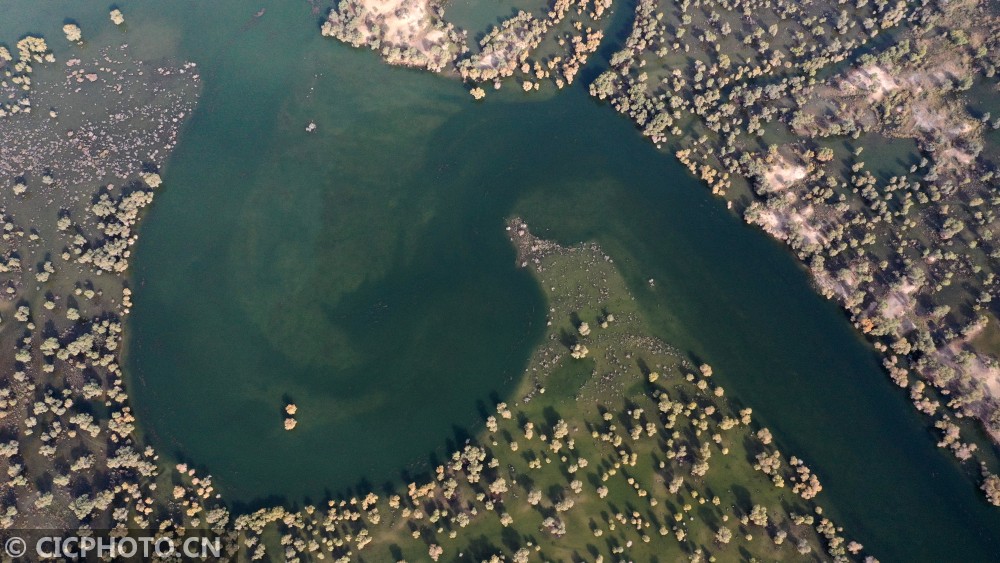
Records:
x=362, y=272
x=354, y=287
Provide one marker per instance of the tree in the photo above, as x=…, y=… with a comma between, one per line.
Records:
x=72, y=32
x=554, y=526
x=991, y=486
x=723, y=536
x=152, y=179
x=604, y=86
x=758, y=515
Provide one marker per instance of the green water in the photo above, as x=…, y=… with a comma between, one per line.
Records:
x=362, y=271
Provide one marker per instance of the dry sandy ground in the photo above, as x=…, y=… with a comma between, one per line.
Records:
x=834, y=287
x=413, y=26
x=793, y=221
x=783, y=173
x=900, y=304
x=982, y=370
x=407, y=22
x=872, y=79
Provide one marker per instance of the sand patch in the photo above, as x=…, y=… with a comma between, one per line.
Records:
x=900, y=302
x=873, y=79
x=783, y=173
x=840, y=287
x=790, y=224
x=406, y=32
x=979, y=370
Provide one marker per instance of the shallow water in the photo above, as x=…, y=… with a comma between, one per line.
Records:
x=362, y=272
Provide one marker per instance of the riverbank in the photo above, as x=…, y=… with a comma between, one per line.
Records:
x=79, y=162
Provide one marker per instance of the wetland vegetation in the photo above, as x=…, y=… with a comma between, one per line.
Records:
x=325, y=347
